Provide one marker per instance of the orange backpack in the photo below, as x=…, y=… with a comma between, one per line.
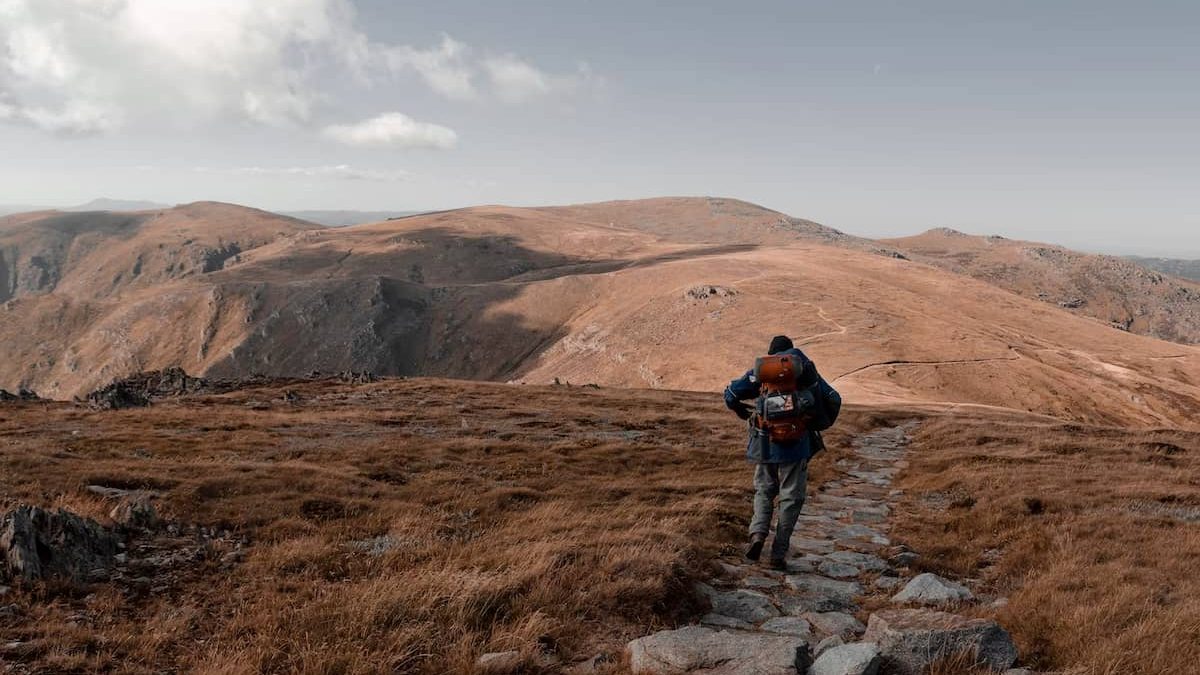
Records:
x=784, y=406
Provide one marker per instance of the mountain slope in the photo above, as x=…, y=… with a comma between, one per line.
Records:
x=101, y=254
x=1112, y=290
x=536, y=295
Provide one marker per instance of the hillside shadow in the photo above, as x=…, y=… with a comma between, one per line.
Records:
x=427, y=305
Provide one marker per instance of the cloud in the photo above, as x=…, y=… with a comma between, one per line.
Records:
x=515, y=80
x=82, y=66
x=395, y=130
x=94, y=66
x=444, y=68
x=338, y=171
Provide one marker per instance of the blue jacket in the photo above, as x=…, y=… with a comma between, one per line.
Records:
x=746, y=388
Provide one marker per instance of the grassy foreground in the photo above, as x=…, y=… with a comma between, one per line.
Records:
x=406, y=525
x=1093, y=535
x=410, y=525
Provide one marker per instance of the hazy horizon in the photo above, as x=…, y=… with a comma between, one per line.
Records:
x=1150, y=252
x=1068, y=123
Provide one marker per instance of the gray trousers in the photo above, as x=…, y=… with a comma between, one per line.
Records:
x=788, y=482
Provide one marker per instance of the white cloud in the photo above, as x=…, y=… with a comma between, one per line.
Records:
x=445, y=68
x=338, y=171
x=86, y=65
x=92, y=66
x=393, y=129
x=515, y=80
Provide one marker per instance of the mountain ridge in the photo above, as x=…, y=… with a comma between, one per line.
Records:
x=588, y=293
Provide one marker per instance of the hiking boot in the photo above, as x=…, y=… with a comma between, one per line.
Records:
x=778, y=564
x=756, y=546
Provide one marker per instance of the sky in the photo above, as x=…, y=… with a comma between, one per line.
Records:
x=1072, y=122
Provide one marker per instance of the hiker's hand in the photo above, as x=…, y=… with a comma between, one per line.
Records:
x=744, y=411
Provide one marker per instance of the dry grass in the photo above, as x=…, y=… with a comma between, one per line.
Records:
x=1093, y=534
x=556, y=521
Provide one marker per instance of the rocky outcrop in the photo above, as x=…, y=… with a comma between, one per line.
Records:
x=36, y=544
x=912, y=639
x=21, y=395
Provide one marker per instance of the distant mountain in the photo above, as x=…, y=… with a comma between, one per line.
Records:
x=1110, y=289
x=106, y=204
x=346, y=218
x=662, y=293
x=1187, y=269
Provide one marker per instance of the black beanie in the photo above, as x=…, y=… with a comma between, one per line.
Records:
x=780, y=343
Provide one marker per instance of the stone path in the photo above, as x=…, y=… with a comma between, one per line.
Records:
x=804, y=620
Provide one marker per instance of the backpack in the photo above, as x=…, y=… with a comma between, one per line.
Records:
x=793, y=398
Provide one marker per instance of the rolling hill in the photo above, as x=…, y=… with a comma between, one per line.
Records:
x=668, y=293
x=1111, y=289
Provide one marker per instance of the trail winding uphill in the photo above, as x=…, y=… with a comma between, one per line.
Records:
x=781, y=623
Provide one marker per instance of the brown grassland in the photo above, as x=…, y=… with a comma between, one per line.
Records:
x=565, y=521
x=1093, y=534
x=545, y=519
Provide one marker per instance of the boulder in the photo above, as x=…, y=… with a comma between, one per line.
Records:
x=835, y=623
x=860, y=658
x=930, y=589
x=696, y=648
x=743, y=604
x=911, y=639
x=135, y=512
x=39, y=544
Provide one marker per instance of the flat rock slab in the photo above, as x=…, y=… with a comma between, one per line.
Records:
x=743, y=604
x=808, y=545
x=800, y=603
x=930, y=589
x=790, y=625
x=815, y=583
x=864, y=561
x=860, y=658
x=721, y=621
x=911, y=639
x=699, y=649
x=840, y=624
x=837, y=570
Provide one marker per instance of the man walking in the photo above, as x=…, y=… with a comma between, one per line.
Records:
x=792, y=404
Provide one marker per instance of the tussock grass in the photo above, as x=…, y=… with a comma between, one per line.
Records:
x=402, y=526
x=1093, y=535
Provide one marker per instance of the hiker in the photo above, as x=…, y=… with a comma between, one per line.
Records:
x=792, y=405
